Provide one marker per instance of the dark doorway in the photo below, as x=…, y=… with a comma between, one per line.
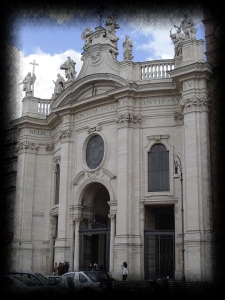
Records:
x=159, y=242
x=95, y=230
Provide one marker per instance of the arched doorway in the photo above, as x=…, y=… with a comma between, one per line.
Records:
x=94, y=233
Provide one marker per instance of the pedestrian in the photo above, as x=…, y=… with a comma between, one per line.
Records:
x=90, y=267
x=62, y=268
x=66, y=267
x=124, y=270
x=55, y=270
x=59, y=269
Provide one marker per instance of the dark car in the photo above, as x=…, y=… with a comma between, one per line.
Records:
x=36, y=277
x=14, y=285
x=41, y=285
x=54, y=279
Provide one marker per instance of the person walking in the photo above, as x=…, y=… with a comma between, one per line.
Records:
x=124, y=270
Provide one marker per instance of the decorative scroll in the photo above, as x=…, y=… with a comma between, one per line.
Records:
x=98, y=127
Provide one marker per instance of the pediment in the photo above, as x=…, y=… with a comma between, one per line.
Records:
x=88, y=87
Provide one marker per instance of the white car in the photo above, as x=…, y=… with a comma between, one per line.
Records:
x=88, y=282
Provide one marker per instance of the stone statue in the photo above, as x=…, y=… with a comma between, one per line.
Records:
x=127, y=48
x=177, y=39
x=111, y=27
x=59, y=85
x=86, y=37
x=27, y=83
x=187, y=26
x=69, y=67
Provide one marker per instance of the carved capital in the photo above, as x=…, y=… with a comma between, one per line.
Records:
x=128, y=117
x=112, y=217
x=77, y=219
x=49, y=147
x=98, y=127
x=28, y=145
x=195, y=103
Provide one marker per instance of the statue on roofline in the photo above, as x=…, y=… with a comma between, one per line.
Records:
x=69, y=67
x=111, y=27
x=86, y=36
x=27, y=84
x=59, y=85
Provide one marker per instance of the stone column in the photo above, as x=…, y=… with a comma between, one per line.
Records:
x=22, y=241
x=76, y=244
x=127, y=240
x=142, y=228
x=112, y=239
x=62, y=241
x=71, y=252
x=197, y=192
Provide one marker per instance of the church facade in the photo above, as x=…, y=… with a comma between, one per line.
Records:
x=116, y=166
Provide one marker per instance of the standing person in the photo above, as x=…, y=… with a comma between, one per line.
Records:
x=55, y=270
x=90, y=267
x=124, y=270
x=66, y=267
x=59, y=269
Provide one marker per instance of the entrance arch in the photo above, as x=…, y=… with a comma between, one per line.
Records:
x=94, y=231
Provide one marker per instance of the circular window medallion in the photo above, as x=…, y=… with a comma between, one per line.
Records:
x=95, y=152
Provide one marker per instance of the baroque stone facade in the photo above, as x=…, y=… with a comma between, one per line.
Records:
x=95, y=168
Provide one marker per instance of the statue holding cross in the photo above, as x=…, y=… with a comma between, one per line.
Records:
x=28, y=82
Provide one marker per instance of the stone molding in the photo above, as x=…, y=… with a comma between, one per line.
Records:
x=128, y=117
x=78, y=177
x=158, y=137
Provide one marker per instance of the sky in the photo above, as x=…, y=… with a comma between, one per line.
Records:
x=48, y=39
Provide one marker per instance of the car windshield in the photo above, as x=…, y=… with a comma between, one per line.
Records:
x=42, y=278
x=94, y=275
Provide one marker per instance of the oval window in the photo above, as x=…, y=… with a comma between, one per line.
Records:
x=95, y=152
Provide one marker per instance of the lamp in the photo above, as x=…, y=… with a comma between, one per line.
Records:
x=178, y=165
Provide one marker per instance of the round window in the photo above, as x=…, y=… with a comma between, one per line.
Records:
x=95, y=151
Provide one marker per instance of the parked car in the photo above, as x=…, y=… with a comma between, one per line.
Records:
x=14, y=285
x=88, y=282
x=36, y=277
x=39, y=283
x=55, y=279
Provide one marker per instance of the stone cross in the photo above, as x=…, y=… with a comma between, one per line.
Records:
x=34, y=64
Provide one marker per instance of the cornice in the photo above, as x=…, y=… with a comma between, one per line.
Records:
x=196, y=67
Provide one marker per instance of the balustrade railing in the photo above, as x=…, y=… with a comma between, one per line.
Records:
x=156, y=69
x=44, y=107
